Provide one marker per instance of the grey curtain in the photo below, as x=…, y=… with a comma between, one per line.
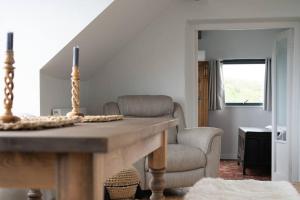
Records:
x=216, y=97
x=268, y=86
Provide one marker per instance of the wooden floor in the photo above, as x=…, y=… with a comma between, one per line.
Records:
x=230, y=170
x=297, y=186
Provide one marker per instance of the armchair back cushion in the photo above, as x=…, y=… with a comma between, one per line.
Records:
x=146, y=105
x=178, y=114
x=111, y=108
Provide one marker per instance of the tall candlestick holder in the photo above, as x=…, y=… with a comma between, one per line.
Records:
x=75, y=81
x=8, y=117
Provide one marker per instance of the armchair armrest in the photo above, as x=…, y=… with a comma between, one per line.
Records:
x=201, y=137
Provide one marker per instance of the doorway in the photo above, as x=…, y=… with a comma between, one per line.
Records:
x=192, y=95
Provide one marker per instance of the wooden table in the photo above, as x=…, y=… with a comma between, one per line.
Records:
x=254, y=147
x=77, y=160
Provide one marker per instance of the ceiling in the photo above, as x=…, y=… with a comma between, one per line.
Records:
x=105, y=36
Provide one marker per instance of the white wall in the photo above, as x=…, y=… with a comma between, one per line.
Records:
x=230, y=119
x=237, y=44
x=101, y=40
x=41, y=29
x=144, y=66
x=105, y=36
x=56, y=93
x=154, y=62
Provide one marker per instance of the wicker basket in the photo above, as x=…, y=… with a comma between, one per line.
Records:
x=123, y=185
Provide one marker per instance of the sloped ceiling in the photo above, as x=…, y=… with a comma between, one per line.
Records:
x=41, y=28
x=104, y=36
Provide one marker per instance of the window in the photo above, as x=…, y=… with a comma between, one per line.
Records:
x=244, y=81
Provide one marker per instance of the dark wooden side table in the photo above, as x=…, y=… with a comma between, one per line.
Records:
x=254, y=148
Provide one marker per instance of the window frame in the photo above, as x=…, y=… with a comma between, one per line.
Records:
x=243, y=62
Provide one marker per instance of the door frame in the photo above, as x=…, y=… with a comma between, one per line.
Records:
x=191, y=74
x=289, y=34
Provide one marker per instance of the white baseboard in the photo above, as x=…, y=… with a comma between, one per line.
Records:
x=229, y=156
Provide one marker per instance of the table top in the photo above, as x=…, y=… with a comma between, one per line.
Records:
x=85, y=137
x=255, y=130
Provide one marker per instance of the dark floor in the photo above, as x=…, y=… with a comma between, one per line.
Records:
x=230, y=170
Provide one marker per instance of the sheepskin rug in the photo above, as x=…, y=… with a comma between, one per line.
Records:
x=219, y=189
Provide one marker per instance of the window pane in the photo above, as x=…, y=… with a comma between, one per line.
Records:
x=244, y=83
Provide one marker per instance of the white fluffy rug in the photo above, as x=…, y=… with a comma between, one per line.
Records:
x=219, y=189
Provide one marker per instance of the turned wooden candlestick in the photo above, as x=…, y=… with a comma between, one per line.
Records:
x=8, y=117
x=75, y=84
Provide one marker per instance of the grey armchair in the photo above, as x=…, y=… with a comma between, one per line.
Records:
x=192, y=153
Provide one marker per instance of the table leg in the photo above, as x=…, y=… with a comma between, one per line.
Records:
x=157, y=163
x=34, y=194
x=74, y=176
x=98, y=174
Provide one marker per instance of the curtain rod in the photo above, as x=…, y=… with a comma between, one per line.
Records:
x=243, y=61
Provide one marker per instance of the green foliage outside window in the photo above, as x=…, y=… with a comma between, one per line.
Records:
x=244, y=83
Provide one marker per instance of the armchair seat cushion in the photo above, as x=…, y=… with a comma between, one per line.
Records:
x=183, y=158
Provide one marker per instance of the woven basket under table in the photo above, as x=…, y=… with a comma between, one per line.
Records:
x=123, y=185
